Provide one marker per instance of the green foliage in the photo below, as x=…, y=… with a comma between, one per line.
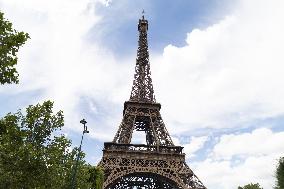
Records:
x=280, y=174
x=251, y=186
x=32, y=156
x=96, y=177
x=10, y=41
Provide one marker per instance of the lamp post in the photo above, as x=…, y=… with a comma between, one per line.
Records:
x=74, y=172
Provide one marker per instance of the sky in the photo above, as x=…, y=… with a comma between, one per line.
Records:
x=217, y=69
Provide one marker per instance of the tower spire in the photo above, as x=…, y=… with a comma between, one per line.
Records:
x=142, y=88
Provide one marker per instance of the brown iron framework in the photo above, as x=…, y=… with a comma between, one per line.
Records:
x=158, y=163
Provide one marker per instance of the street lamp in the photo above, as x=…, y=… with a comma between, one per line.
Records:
x=83, y=121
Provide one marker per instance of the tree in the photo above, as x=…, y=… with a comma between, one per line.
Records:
x=33, y=156
x=10, y=41
x=96, y=177
x=251, y=186
x=280, y=174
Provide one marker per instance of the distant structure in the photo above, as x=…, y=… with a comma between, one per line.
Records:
x=159, y=164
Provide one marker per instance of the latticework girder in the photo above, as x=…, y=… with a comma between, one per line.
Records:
x=158, y=163
x=142, y=88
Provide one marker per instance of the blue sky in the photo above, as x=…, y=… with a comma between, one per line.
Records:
x=170, y=22
x=216, y=68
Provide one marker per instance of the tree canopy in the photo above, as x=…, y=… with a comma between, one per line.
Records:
x=96, y=177
x=280, y=174
x=34, y=155
x=10, y=41
x=250, y=186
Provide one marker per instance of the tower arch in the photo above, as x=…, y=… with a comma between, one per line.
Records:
x=143, y=180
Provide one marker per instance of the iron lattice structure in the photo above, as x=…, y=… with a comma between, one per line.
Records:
x=158, y=163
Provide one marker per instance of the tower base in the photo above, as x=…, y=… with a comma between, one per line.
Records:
x=142, y=166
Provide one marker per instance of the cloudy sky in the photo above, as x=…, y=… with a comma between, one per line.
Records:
x=217, y=68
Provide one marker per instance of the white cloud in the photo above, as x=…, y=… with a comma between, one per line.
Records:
x=239, y=159
x=221, y=174
x=258, y=143
x=195, y=144
x=61, y=64
x=228, y=74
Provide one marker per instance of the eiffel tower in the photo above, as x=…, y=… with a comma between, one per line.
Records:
x=158, y=163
